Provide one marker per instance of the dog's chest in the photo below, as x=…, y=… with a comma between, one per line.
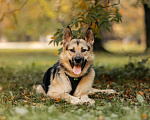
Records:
x=73, y=83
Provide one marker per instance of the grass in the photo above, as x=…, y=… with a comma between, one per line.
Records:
x=128, y=74
x=118, y=47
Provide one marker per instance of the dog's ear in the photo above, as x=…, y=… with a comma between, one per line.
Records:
x=89, y=36
x=67, y=36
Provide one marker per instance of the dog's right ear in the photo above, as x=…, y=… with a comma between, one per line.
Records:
x=67, y=36
x=89, y=36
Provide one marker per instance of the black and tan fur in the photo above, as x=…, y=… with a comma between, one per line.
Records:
x=61, y=82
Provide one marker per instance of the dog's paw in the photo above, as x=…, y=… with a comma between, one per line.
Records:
x=75, y=101
x=88, y=101
x=91, y=102
x=110, y=91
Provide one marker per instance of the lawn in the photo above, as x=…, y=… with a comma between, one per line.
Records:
x=128, y=74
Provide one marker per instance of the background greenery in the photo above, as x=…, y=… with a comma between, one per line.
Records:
x=125, y=70
x=20, y=70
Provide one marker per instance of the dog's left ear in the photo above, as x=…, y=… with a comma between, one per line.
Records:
x=89, y=37
x=67, y=36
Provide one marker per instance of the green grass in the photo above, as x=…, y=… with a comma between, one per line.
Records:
x=47, y=57
x=20, y=70
x=117, y=47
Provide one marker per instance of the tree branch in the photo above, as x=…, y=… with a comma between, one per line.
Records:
x=19, y=8
x=113, y=4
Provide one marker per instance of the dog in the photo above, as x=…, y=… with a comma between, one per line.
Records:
x=71, y=78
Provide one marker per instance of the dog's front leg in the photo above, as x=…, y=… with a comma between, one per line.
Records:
x=84, y=87
x=64, y=96
x=85, y=99
x=107, y=91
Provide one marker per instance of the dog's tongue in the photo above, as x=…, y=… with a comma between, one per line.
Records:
x=77, y=69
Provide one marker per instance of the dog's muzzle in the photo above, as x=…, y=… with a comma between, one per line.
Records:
x=78, y=60
x=78, y=64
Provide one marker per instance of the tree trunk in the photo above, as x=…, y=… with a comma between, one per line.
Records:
x=147, y=25
x=98, y=45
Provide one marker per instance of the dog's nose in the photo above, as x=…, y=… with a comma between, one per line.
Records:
x=78, y=59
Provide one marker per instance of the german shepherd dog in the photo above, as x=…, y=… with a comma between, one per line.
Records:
x=71, y=78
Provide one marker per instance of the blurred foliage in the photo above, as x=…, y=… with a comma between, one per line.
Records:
x=97, y=14
x=137, y=70
x=133, y=20
x=133, y=25
x=22, y=20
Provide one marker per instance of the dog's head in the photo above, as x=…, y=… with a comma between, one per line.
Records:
x=77, y=54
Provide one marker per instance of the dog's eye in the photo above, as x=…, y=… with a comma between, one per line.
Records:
x=72, y=50
x=83, y=50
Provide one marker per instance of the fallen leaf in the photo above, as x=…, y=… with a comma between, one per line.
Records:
x=140, y=92
x=3, y=117
x=43, y=99
x=57, y=100
x=100, y=117
x=144, y=116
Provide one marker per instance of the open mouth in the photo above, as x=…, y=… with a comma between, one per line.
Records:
x=77, y=68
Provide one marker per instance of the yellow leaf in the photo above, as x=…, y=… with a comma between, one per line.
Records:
x=115, y=9
x=57, y=100
x=43, y=99
x=144, y=116
x=17, y=11
x=141, y=93
x=10, y=27
x=27, y=98
x=52, y=37
x=93, y=25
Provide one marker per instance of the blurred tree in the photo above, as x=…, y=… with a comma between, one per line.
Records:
x=98, y=14
x=147, y=24
x=146, y=4
x=132, y=26
x=26, y=20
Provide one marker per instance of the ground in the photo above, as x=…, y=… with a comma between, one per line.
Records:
x=128, y=74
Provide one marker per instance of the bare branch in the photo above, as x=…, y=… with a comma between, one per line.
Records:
x=19, y=8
